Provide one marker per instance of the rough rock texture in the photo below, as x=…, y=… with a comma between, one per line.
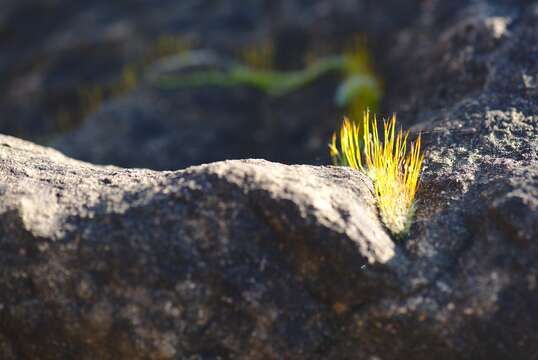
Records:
x=473, y=250
x=251, y=259
x=246, y=259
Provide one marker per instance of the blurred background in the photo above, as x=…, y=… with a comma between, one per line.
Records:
x=171, y=83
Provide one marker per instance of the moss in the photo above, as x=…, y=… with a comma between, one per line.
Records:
x=393, y=167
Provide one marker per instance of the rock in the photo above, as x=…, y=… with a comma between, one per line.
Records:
x=472, y=260
x=238, y=258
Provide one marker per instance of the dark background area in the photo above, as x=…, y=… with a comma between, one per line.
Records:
x=72, y=76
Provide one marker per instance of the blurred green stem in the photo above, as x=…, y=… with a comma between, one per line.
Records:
x=275, y=83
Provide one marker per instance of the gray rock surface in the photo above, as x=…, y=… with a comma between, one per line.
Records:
x=473, y=247
x=246, y=259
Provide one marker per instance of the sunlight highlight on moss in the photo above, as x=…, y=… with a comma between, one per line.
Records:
x=393, y=166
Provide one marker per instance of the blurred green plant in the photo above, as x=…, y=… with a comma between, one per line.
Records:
x=272, y=82
x=359, y=90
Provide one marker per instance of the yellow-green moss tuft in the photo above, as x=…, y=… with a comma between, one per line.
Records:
x=393, y=167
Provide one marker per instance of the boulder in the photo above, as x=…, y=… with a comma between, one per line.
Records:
x=233, y=259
